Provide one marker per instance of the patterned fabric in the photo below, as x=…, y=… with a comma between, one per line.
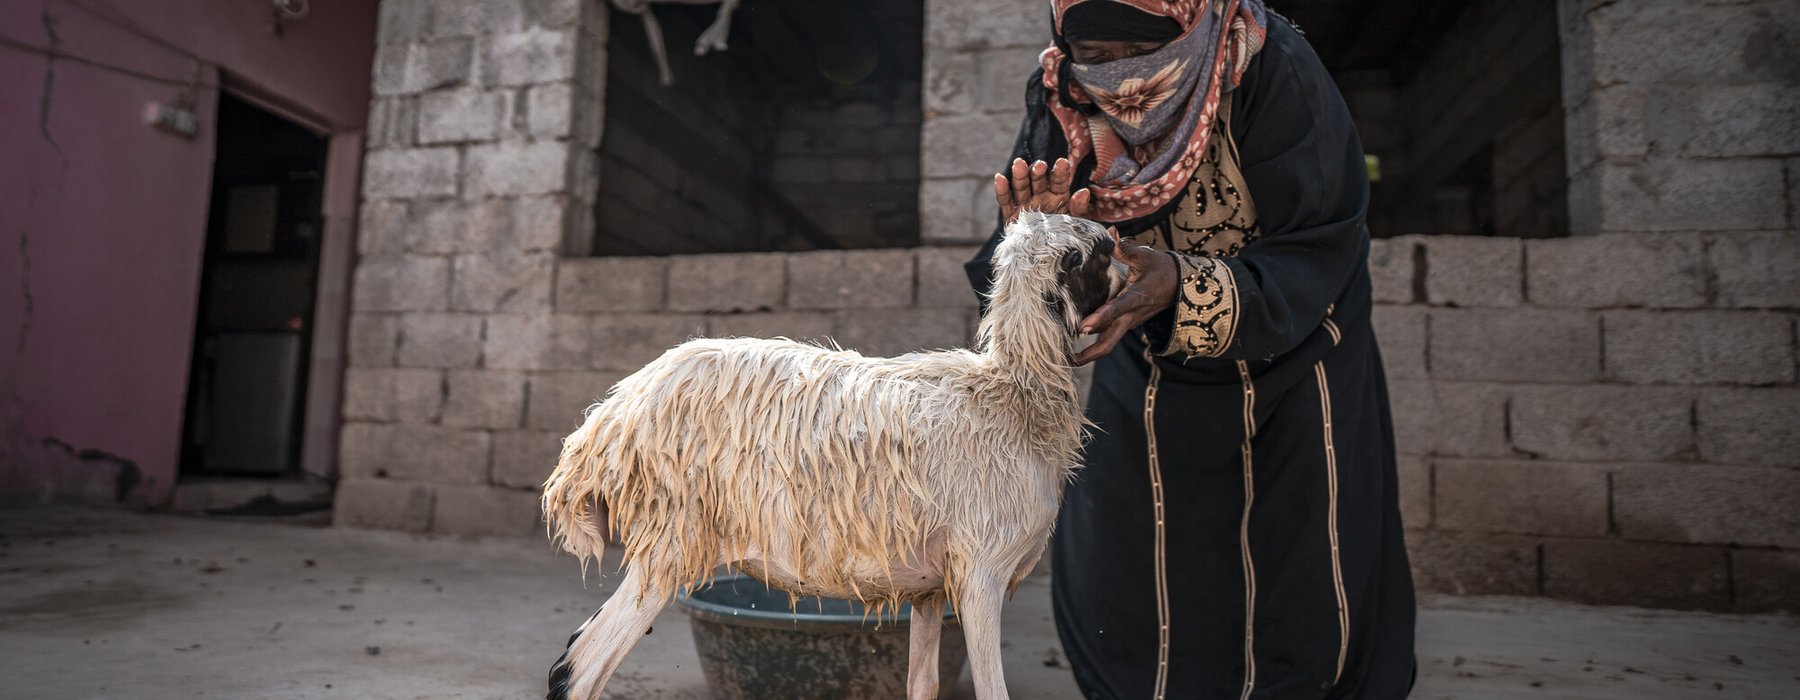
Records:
x=1140, y=99
x=1216, y=219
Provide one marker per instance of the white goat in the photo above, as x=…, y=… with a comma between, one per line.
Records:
x=919, y=478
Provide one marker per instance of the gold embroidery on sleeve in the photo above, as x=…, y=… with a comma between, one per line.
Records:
x=1205, y=308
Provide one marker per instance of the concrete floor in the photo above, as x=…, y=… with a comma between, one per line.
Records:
x=104, y=604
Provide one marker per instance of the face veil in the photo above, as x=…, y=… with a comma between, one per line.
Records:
x=1171, y=96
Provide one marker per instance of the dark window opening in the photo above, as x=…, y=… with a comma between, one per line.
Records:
x=1460, y=102
x=804, y=135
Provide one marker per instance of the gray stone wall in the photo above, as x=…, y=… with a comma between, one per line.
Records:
x=1595, y=418
x=978, y=55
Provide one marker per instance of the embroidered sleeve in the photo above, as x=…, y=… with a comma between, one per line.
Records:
x=1206, y=311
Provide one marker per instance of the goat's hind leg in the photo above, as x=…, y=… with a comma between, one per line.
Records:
x=597, y=648
x=925, y=630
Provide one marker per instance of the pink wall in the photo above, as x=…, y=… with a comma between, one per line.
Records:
x=102, y=217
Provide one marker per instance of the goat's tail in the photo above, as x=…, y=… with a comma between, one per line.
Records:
x=574, y=503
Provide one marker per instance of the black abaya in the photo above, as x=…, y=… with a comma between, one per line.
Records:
x=1279, y=569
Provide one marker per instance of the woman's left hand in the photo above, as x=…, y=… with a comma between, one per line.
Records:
x=1149, y=288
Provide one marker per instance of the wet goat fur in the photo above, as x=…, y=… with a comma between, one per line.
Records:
x=924, y=478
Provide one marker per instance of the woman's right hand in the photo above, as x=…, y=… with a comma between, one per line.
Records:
x=1039, y=187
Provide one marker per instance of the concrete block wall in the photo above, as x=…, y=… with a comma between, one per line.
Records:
x=1597, y=418
x=978, y=56
x=479, y=176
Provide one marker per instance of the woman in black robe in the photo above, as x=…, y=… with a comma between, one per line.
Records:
x=1235, y=532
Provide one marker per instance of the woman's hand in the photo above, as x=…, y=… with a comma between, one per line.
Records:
x=1149, y=288
x=1039, y=187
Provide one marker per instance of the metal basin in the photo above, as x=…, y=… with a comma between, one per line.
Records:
x=753, y=646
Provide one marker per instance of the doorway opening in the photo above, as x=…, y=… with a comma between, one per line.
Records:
x=253, y=334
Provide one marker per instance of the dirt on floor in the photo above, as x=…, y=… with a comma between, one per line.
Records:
x=109, y=604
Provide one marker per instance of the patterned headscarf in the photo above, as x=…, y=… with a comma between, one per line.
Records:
x=1140, y=99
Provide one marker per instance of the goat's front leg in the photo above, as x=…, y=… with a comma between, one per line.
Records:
x=978, y=606
x=602, y=643
x=927, y=628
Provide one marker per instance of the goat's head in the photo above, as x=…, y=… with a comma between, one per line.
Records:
x=1067, y=261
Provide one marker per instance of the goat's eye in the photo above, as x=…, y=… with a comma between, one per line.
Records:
x=1071, y=260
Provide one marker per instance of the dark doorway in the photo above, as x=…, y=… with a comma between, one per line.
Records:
x=259, y=279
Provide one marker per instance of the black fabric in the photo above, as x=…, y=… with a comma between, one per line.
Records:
x=1116, y=21
x=1304, y=167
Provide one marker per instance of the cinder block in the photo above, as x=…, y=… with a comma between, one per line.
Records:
x=451, y=19
x=530, y=57
x=1651, y=575
x=410, y=172
x=1400, y=331
x=523, y=459
x=860, y=279
x=1527, y=344
x=390, y=68
x=556, y=13
x=967, y=145
x=798, y=325
x=950, y=82
x=942, y=281
x=550, y=110
x=447, y=226
x=960, y=210
x=374, y=339
x=542, y=223
x=383, y=226
x=461, y=115
x=1532, y=498
x=560, y=399
x=439, y=64
x=981, y=25
x=1603, y=423
x=1708, y=504
x=1757, y=270
x=1750, y=426
x=1473, y=270
x=502, y=280
x=729, y=282
x=1653, y=270
x=1415, y=490
x=536, y=341
x=1393, y=264
x=1731, y=120
x=1699, y=347
x=380, y=504
x=393, y=394
x=1473, y=564
x=402, y=20
x=402, y=283
x=413, y=452
x=1470, y=419
x=440, y=340
x=889, y=332
x=610, y=285
x=1732, y=194
x=1004, y=74
x=514, y=167
x=629, y=341
x=1764, y=580
x=486, y=510
x=485, y=399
